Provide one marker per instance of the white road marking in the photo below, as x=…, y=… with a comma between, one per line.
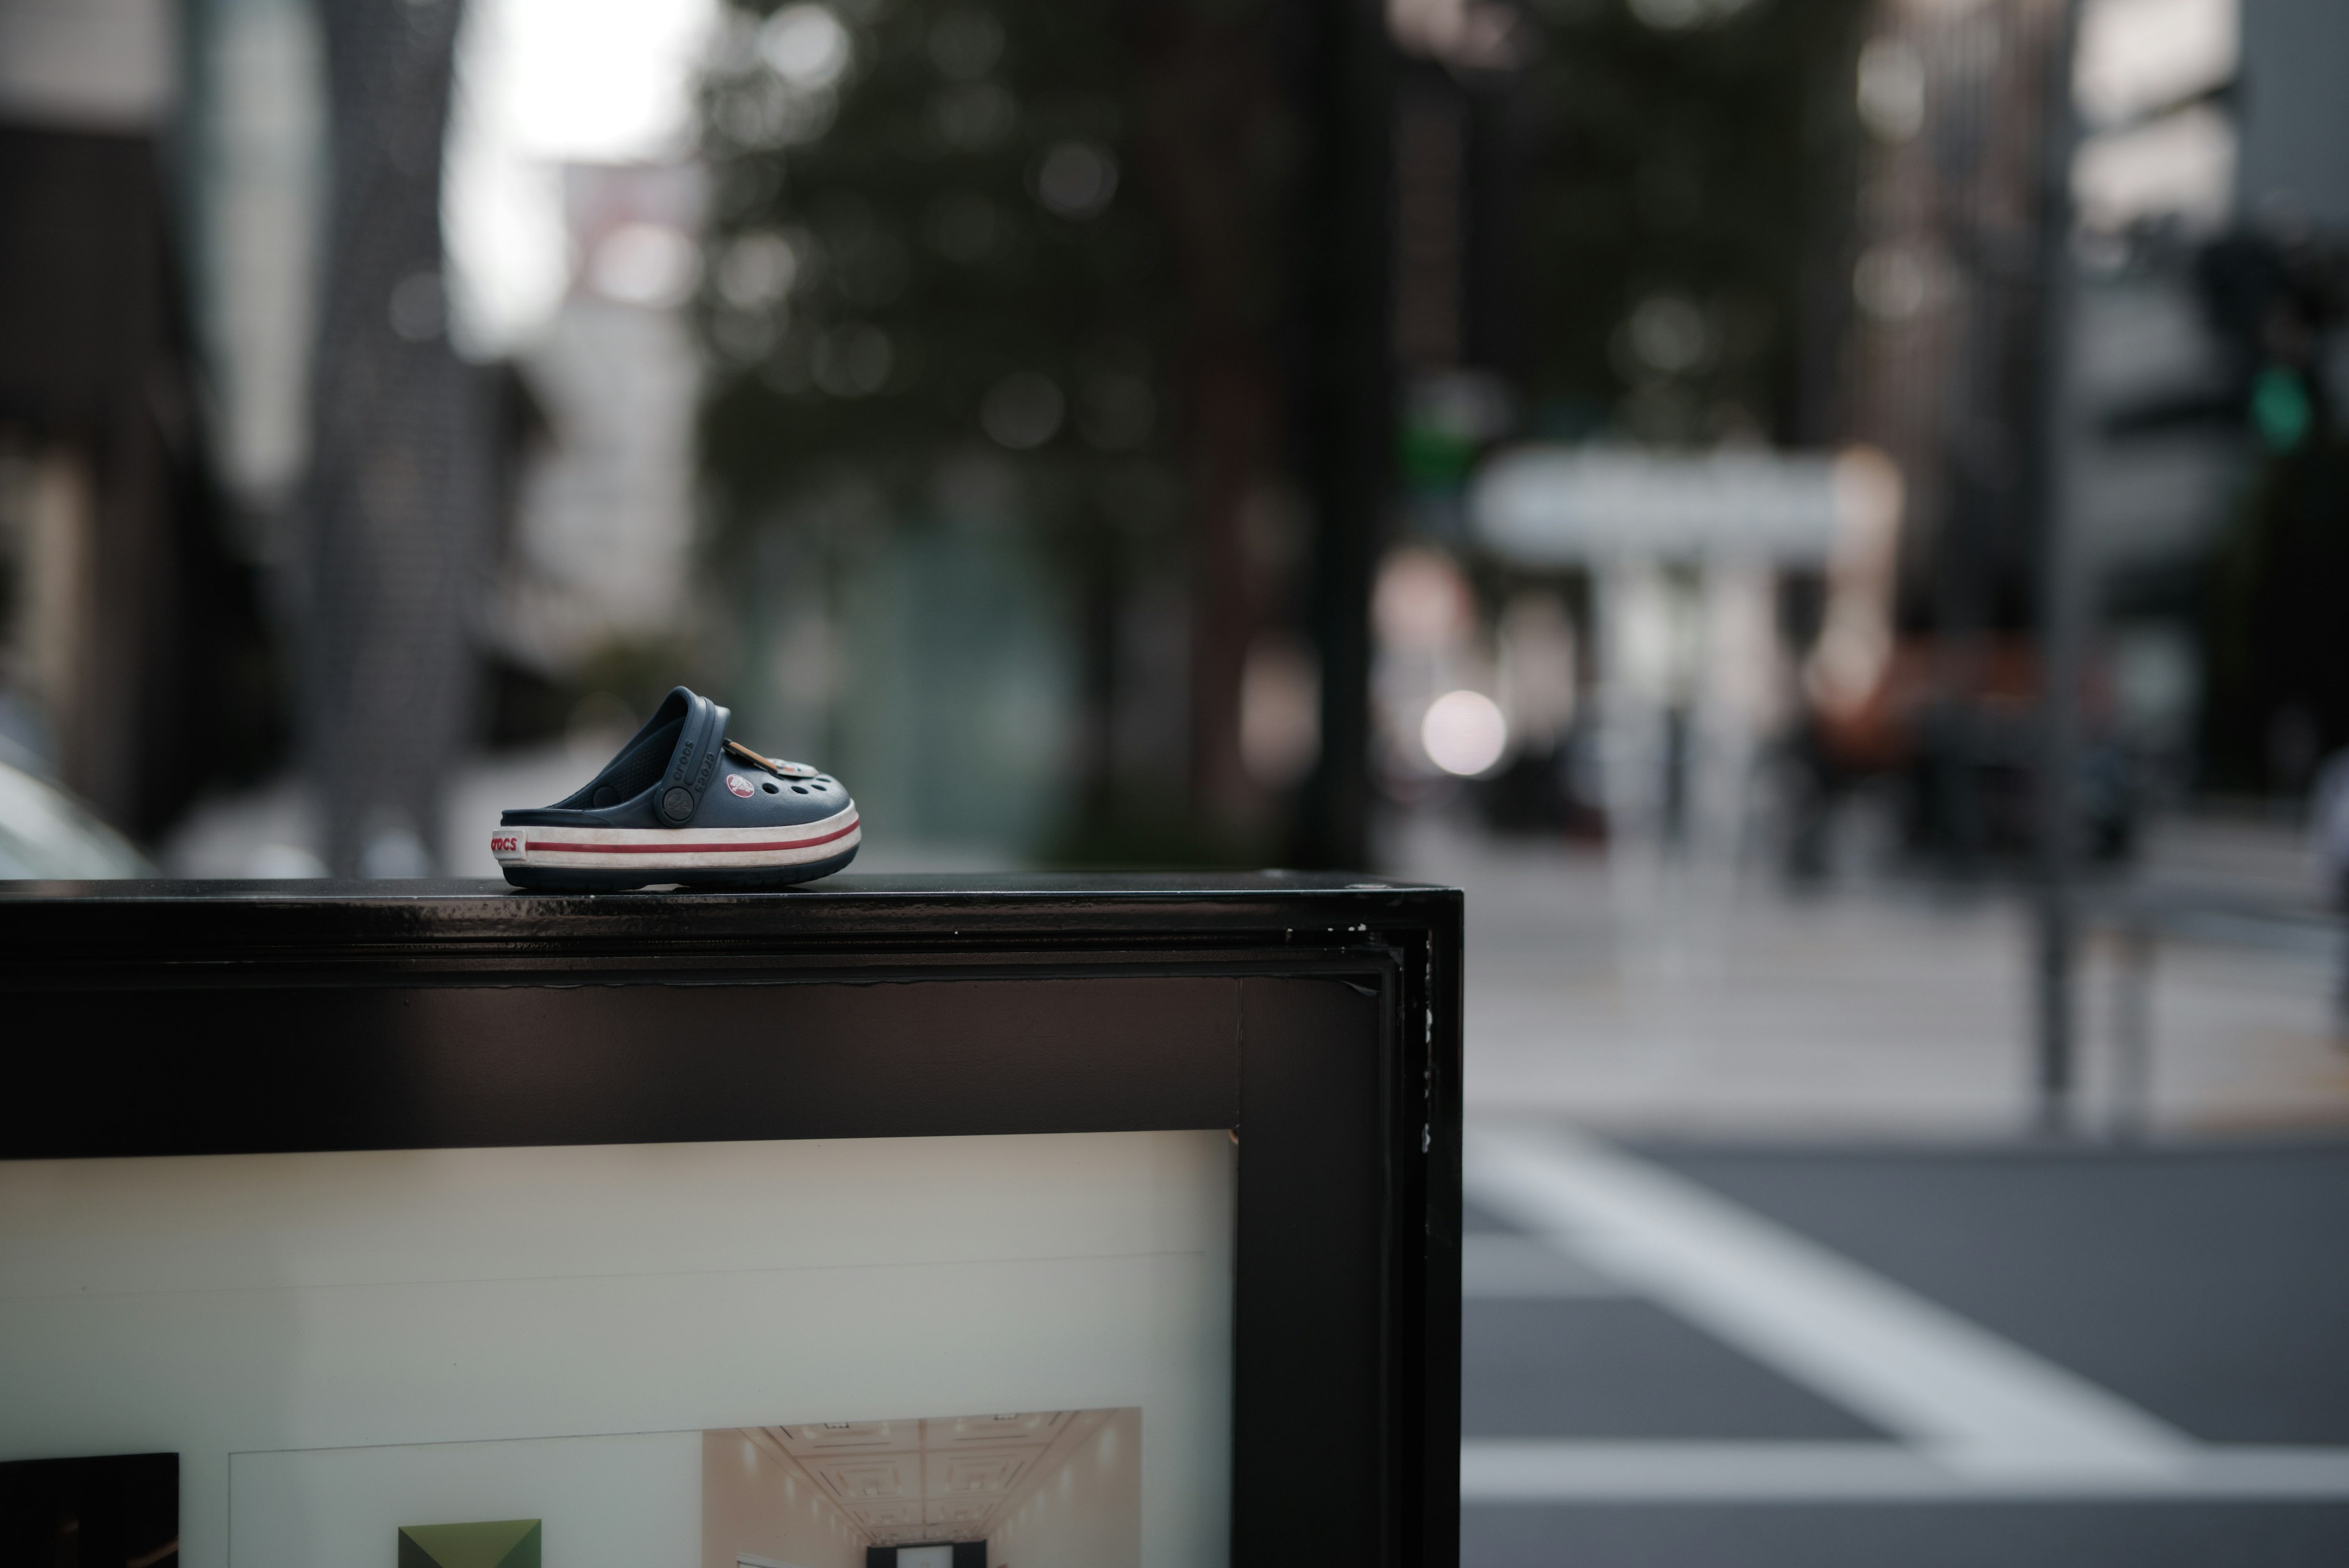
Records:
x=1548, y=1471
x=1968, y=1402
x=1519, y=1268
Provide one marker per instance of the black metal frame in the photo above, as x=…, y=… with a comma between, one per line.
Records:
x=1319, y=1019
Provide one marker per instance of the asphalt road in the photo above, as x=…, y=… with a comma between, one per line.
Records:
x=1681, y=1354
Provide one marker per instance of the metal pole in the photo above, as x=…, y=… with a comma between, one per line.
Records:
x=2133, y=1030
x=2061, y=605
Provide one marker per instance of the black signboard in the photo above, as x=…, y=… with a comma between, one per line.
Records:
x=955, y=1214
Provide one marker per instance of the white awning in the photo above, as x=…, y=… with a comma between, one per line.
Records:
x=1557, y=506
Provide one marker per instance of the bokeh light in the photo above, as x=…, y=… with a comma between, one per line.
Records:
x=1465, y=733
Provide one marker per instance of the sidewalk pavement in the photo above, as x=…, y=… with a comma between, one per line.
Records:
x=1638, y=995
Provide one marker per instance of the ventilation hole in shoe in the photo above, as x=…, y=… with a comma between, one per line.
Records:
x=798, y=789
x=608, y=795
x=771, y=789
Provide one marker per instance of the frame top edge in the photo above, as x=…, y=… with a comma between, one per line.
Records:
x=1025, y=886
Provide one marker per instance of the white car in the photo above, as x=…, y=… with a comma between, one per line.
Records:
x=46, y=833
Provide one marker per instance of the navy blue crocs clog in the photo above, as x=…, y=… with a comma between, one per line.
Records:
x=683, y=804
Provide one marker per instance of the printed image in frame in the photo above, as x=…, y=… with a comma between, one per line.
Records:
x=104, y=1510
x=1059, y=1489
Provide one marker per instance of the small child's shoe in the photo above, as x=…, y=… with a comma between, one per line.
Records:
x=682, y=803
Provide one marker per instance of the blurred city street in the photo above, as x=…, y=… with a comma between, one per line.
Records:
x=1824, y=1295
x=1830, y=519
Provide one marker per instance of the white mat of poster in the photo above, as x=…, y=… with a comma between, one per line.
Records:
x=341, y=1345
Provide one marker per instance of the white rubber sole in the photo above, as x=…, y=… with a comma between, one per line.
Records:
x=633, y=850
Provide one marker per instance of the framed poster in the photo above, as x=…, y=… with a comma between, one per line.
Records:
x=897, y=1224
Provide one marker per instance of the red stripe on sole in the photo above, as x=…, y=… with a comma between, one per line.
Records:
x=536, y=844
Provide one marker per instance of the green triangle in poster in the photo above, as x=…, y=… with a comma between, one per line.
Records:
x=490, y=1543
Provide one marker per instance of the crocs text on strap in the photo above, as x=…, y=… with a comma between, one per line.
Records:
x=695, y=761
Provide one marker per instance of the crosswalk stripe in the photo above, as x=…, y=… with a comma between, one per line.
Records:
x=1975, y=1403
x=1538, y=1470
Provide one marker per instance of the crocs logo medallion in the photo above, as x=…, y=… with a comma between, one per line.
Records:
x=736, y=784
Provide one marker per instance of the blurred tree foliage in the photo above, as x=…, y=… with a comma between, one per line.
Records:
x=921, y=247
x=1018, y=263
x=1687, y=215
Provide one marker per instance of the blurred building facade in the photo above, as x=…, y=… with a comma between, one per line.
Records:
x=2053, y=261
x=601, y=554
x=132, y=664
